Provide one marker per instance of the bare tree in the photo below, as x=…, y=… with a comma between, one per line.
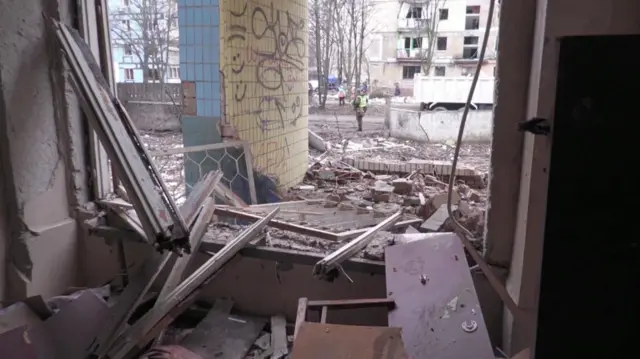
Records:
x=427, y=29
x=351, y=33
x=147, y=30
x=321, y=26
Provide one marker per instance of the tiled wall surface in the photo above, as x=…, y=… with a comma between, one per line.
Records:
x=200, y=63
x=264, y=61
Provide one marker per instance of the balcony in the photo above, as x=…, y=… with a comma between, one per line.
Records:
x=413, y=24
x=410, y=54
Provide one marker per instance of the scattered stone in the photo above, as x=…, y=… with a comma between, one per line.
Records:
x=423, y=200
x=475, y=196
x=383, y=177
x=437, y=220
x=326, y=175
x=381, y=196
x=464, y=208
x=264, y=341
x=438, y=200
x=412, y=201
x=402, y=186
x=330, y=204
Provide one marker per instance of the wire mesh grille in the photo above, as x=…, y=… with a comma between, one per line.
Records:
x=180, y=168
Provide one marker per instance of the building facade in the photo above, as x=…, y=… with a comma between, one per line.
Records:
x=135, y=31
x=398, y=47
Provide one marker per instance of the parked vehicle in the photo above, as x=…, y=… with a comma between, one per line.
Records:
x=440, y=93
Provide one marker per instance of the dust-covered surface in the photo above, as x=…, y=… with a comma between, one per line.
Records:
x=276, y=238
x=331, y=179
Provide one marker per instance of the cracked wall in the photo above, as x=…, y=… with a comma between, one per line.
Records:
x=42, y=152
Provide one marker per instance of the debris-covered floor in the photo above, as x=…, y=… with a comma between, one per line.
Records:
x=364, y=196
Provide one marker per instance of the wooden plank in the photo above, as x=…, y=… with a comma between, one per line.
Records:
x=352, y=303
x=431, y=284
x=279, y=343
x=220, y=335
x=323, y=341
x=301, y=315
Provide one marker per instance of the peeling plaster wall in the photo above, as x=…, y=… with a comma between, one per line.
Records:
x=42, y=152
x=263, y=55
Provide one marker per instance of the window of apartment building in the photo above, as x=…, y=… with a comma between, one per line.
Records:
x=470, y=53
x=153, y=74
x=443, y=14
x=124, y=2
x=126, y=25
x=470, y=50
x=472, y=21
x=128, y=50
x=440, y=71
x=412, y=42
x=441, y=43
x=408, y=72
x=174, y=72
x=128, y=75
x=471, y=40
x=415, y=12
x=473, y=10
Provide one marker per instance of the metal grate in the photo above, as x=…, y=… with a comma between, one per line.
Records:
x=232, y=158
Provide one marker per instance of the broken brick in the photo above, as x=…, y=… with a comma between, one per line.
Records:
x=412, y=201
x=402, y=186
x=381, y=197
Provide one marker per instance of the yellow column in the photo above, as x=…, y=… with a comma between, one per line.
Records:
x=263, y=55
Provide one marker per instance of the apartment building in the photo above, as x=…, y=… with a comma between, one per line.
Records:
x=130, y=40
x=398, y=45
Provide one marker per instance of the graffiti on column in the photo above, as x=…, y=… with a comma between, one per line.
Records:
x=266, y=52
x=271, y=45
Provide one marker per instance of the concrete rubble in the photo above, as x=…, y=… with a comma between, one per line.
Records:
x=354, y=206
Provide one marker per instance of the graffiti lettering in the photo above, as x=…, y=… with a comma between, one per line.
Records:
x=266, y=45
x=276, y=154
x=271, y=114
x=286, y=46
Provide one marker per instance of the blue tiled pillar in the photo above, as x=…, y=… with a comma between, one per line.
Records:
x=200, y=63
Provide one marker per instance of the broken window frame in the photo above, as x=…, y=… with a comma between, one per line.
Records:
x=94, y=28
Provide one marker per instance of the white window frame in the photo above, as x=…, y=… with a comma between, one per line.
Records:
x=92, y=15
x=129, y=78
x=174, y=72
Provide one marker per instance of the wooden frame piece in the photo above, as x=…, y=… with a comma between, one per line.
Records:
x=304, y=305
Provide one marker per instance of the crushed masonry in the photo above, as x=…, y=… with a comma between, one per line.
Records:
x=388, y=218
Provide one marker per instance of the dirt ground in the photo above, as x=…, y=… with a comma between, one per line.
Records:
x=337, y=128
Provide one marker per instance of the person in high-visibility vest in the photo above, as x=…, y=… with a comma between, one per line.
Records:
x=360, y=106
